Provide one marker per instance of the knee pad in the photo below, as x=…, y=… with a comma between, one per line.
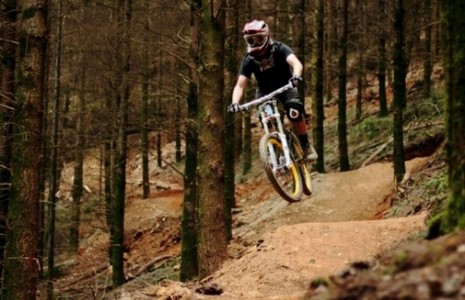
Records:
x=294, y=110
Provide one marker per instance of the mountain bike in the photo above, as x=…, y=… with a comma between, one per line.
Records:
x=280, y=149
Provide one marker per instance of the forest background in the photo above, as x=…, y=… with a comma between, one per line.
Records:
x=85, y=75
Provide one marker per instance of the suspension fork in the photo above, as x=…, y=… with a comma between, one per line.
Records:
x=266, y=119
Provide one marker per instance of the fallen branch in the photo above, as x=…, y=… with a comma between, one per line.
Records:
x=169, y=165
x=391, y=139
x=86, y=276
x=147, y=266
x=374, y=154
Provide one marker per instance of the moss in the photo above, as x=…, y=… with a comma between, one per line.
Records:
x=319, y=281
x=372, y=127
x=401, y=260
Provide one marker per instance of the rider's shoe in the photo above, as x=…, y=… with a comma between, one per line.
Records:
x=310, y=153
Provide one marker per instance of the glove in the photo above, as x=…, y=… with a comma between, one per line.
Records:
x=234, y=108
x=295, y=80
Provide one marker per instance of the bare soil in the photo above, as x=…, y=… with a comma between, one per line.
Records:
x=278, y=248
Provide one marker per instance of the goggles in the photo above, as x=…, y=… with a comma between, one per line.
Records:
x=255, y=40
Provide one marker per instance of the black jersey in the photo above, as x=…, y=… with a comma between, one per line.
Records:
x=272, y=71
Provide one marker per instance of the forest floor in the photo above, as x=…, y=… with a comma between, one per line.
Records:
x=359, y=236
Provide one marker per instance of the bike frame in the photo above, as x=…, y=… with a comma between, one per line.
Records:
x=269, y=113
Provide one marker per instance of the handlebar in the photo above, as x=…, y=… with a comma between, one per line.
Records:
x=258, y=101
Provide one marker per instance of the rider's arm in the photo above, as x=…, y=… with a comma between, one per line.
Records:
x=239, y=89
x=296, y=65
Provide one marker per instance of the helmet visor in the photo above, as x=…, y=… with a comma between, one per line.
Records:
x=255, y=40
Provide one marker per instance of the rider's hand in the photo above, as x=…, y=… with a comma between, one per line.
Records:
x=234, y=108
x=295, y=80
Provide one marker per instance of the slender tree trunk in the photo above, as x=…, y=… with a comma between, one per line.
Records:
x=361, y=7
x=125, y=9
x=318, y=98
x=158, y=106
x=242, y=121
x=428, y=60
x=231, y=75
x=281, y=28
x=79, y=149
x=298, y=32
x=342, y=103
x=178, y=130
x=53, y=188
x=436, y=49
x=107, y=155
x=21, y=264
x=7, y=106
x=331, y=34
x=247, y=138
x=189, y=261
x=212, y=244
x=145, y=110
x=78, y=183
x=383, y=109
x=399, y=89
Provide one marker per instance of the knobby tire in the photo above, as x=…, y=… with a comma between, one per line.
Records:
x=285, y=180
x=301, y=164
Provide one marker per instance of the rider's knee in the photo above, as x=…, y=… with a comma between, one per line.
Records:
x=295, y=110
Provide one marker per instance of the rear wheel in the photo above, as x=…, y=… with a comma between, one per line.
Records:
x=285, y=180
x=304, y=170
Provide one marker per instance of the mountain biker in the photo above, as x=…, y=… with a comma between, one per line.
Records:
x=273, y=65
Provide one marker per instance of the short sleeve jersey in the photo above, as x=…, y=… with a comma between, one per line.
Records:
x=272, y=72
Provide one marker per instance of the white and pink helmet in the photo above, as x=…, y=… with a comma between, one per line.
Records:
x=257, y=37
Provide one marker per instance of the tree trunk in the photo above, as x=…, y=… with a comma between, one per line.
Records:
x=242, y=121
x=383, y=109
x=21, y=264
x=247, y=138
x=428, y=60
x=399, y=90
x=342, y=103
x=144, y=144
x=108, y=170
x=53, y=182
x=7, y=106
x=78, y=183
x=125, y=11
x=361, y=7
x=453, y=41
x=189, y=261
x=158, y=106
x=178, y=131
x=231, y=75
x=212, y=244
x=330, y=42
x=281, y=29
x=298, y=32
x=318, y=98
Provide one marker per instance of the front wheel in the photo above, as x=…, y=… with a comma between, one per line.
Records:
x=301, y=164
x=286, y=180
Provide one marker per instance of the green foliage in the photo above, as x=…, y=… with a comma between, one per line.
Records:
x=401, y=260
x=166, y=271
x=437, y=185
x=425, y=109
x=319, y=281
x=370, y=128
x=29, y=12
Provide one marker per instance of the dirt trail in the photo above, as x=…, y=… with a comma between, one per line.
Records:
x=280, y=247
x=322, y=234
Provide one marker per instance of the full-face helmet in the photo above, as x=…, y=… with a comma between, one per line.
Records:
x=257, y=37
